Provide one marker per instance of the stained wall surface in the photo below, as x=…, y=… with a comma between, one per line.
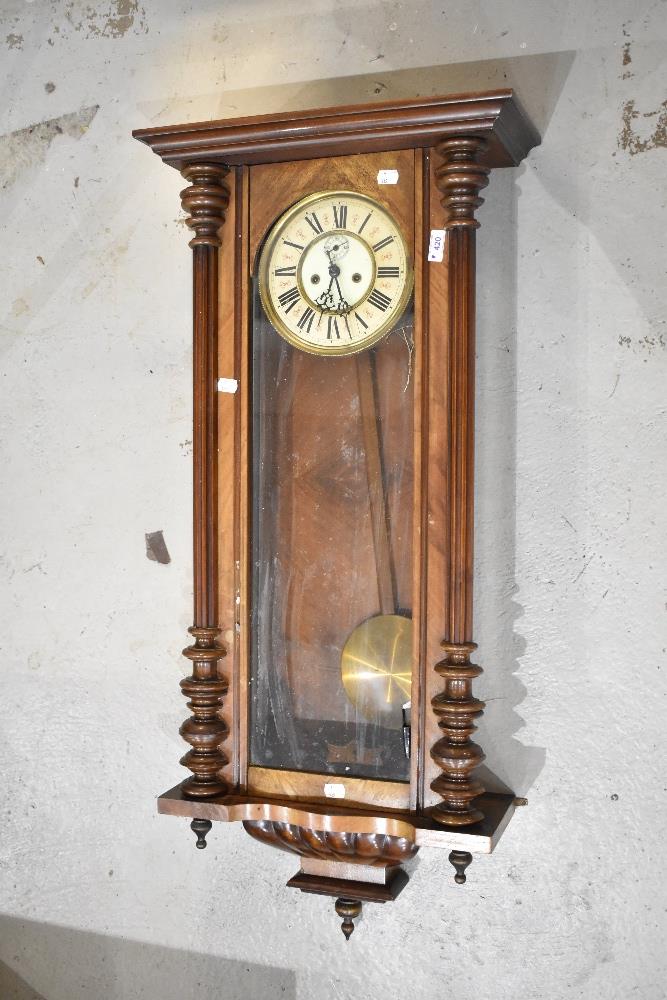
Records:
x=99, y=897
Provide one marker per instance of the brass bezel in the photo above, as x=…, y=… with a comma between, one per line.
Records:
x=275, y=319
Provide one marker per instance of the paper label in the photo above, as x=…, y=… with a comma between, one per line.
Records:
x=227, y=385
x=387, y=176
x=334, y=790
x=436, y=245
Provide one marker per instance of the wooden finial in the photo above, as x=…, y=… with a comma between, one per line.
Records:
x=460, y=860
x=200, y=827
x=204, y=730
x=455, y=753
x=205, y=201
x=349, y=910
x=460, y=178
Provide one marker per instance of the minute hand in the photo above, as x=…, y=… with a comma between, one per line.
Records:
x=343, y=306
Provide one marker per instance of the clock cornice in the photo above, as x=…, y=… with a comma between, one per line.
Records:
x=496, y=116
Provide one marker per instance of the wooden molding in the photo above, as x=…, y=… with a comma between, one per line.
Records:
x=367, y=892
x=494, y=115
x=422, y=830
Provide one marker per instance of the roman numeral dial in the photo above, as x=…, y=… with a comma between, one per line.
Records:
x=334, y=273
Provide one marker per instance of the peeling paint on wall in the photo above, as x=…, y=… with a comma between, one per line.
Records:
x=631, y=141
x=14, y=41
x=28, y=147
x=123, y=16
x=647, y=344
x=156, y=548
x=627, y=58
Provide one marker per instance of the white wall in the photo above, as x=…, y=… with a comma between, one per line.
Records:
x=100, y=897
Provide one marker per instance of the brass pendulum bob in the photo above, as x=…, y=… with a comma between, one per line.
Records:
x=376, y=662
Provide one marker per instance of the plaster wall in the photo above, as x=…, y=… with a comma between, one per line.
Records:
x=99, y=897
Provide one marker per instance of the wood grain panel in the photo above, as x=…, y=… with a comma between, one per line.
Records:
x=276, y=186
x=306, y=787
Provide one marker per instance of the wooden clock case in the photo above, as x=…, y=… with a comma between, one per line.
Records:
x=241, y=175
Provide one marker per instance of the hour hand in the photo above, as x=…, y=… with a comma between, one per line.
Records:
x=326, y=300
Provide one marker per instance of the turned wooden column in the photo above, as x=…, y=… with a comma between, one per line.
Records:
x=459, y=177
x=205, y=201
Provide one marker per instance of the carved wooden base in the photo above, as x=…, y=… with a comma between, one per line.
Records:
x=376, y=849
x=350, y=894
x=419, y=830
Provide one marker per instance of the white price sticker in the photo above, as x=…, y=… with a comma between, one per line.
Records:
x=227, y=385
x=334, y=790
x=436, y=246
x=387, y=176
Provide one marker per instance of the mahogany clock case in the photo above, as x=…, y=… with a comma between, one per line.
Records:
x=271, y=453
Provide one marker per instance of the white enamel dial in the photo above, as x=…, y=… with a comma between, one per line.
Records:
x=335, y=274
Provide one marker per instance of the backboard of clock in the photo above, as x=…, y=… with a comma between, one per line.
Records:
x=332, y=467
x=333, y=292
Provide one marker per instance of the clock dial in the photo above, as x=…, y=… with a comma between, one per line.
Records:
x=335, y=274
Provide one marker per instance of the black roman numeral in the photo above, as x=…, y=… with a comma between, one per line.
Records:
x=306, y=319
x=289, y=298
x=383, y=243
x=289, y=272
x=379, y=299
x=360, y=321
x=347, y=325
x=332, y=327
x=297, y=246
x=340, y=216
x=386, y=272
x=361, y=227
x=314, y=223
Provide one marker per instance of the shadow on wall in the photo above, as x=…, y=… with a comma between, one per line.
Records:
x=514, y=765
x=67, y=964
x=538, y=80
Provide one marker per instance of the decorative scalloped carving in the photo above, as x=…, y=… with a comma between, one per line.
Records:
x=375, y=849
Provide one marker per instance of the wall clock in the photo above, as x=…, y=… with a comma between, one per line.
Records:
x=331, y=690
x=355, y=275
